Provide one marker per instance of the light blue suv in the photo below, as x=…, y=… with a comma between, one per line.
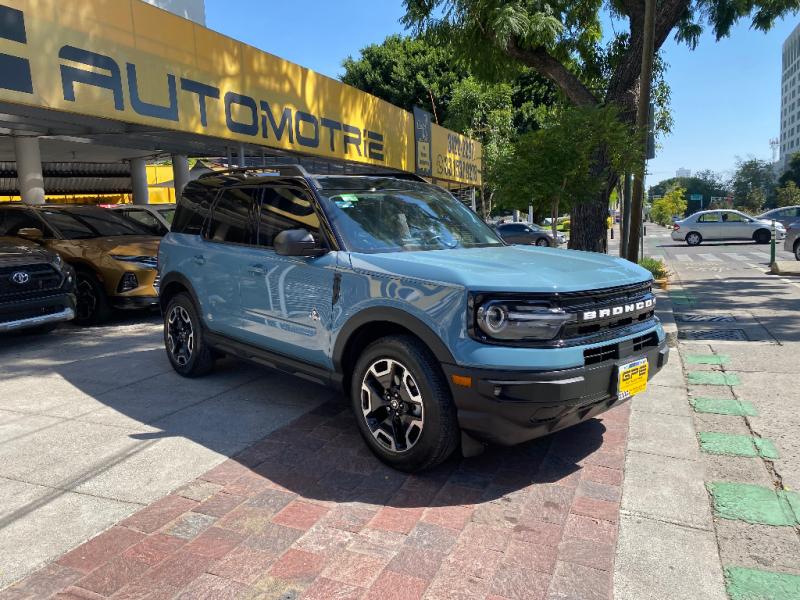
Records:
x=439, y=334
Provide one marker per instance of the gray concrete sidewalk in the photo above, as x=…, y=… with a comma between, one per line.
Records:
x=94, y=424
x=666, y=547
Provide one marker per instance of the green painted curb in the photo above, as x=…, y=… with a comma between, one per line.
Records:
x=736, y=445
x=724, y=406
x=753, y=504
x=753, y=584
x=713, y=378
x=707, y=359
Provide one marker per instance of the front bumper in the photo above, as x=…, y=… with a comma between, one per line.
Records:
x=511, y=407
x=25, y=314
x=134, y=302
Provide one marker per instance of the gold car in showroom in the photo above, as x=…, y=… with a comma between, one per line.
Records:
x=114, y=258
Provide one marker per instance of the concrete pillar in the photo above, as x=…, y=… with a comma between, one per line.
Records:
x=141, y=195
x=29, y=169
x=180, y=173
x=242, y=157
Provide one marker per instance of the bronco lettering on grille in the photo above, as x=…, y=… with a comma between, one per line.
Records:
x=620, y=310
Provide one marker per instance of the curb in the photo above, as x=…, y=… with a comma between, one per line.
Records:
x=665, y=312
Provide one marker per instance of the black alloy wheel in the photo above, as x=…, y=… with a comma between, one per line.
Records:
x=391, y=403
x=180, y=335
x=187, y=350
x=542, y=242
x=403, y=405
x=797, y=249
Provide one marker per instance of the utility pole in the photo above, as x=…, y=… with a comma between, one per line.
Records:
x=625, y=221
x=642, y=121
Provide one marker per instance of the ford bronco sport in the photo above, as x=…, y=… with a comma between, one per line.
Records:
x=438, y=332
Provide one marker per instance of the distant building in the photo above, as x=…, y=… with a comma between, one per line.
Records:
x=790, y=103
x=683, y=173
x=194, y=10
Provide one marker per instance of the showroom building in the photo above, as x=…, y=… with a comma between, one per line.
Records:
x=121, y=82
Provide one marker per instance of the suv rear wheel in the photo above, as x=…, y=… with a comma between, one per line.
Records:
x=186, y=347
x=403, y=405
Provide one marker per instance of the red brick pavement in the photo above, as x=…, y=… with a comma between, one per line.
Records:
x=309, y=513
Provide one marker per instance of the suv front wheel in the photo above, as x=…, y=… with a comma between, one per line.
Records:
x=186, y=347
x=403, y=405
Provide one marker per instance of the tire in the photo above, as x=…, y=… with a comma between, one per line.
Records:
x=797, y=250
x=186, y=347
x=423, y=430
x=542, y=242
x=693, y=238
x=762, y=236
x=92, y=307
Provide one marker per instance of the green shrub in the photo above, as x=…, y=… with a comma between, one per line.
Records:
x=656, y=267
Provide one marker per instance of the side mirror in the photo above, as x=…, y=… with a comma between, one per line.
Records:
x=297, y=242
x=32, y=234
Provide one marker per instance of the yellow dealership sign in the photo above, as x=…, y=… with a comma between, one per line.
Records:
x=129, y=61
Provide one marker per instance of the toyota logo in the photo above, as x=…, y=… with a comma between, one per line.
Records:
x=20, y=277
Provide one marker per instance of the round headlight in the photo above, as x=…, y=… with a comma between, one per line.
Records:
x=493, y=318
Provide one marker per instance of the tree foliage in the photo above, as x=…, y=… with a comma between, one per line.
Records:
x=753, y=185
x=788, y=195
x=554, y=164
x=406, y=72
x=792, y=172
x=563, y=41
x=706, y=183
x=672, y=203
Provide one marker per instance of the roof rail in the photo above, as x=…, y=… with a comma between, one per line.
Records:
x=283, y=170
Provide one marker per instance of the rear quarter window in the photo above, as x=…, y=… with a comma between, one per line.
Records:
x=193, y=208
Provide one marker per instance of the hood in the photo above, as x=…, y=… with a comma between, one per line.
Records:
x=508, y=268
x=768, y=223
x=17, y=249
x=126, y=245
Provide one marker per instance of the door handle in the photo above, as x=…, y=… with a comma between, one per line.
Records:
x=199, y=259
x=256, y=270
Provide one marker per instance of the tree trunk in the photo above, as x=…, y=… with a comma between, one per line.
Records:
x=588, y=224
x=554, y=218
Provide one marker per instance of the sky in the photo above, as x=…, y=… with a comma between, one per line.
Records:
x=725, y=95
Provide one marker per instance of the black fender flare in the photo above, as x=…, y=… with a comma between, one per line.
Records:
x=395, y=316
x=174, y=277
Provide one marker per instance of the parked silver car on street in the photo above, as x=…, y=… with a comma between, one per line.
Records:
x=792, y=243
x=785, y=215
x=714, y=225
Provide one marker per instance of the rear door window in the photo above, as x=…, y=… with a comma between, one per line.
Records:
x=709, y=218
x=232, y=220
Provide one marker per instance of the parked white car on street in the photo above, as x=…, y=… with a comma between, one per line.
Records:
x=713, y=225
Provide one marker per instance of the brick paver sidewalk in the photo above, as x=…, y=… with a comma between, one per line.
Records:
x=309, y=513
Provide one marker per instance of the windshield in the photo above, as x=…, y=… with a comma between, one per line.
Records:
x=89, y=222
x=412, y=217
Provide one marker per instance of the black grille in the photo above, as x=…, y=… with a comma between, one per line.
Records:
x=621, y=350
x=601, y=354
x=41, y=279
x=597, y=300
